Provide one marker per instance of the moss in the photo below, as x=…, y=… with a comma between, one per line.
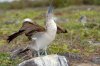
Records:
x=6, y=61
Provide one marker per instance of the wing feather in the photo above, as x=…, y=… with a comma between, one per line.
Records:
x=11, y=37
x=28, y=29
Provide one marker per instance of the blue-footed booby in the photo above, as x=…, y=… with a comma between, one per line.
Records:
x=41, y=40
x=41, y=37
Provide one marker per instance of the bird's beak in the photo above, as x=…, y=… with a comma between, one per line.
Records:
x=50, y=10
x=49, y=14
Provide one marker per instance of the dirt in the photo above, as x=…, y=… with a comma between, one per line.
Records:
x=85, y=64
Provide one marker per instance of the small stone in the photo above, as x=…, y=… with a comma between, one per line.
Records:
x=96, y=60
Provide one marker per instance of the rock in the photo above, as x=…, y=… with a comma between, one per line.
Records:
x=83, y=19
x=49, y=60
x=14, y=21
x=94, y=43
x=73, y=56
x=61, y=20
x=96, y=60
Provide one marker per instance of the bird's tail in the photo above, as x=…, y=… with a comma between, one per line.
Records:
x=24, y=50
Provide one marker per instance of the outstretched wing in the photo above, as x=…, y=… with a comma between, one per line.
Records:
x=11, y=37
x=27, y=29
x=31, y=29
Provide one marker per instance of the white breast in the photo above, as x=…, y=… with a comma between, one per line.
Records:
x=51, y=26
x=43, y=39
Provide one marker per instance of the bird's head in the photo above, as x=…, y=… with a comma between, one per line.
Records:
x=49, y=14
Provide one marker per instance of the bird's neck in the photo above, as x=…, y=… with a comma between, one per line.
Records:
x=51, y=26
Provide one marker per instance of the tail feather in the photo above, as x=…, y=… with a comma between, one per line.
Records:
x=25, y=50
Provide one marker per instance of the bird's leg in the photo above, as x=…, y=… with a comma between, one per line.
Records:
x=45, y=51
x=38, y=52
x=33, y=53
x=42, y=52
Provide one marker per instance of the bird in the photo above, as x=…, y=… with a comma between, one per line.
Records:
x=41, y=40
x=41, y=37
x=29, y=28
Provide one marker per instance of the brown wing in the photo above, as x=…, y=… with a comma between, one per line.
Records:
x=27, y=28
x=11, y=37
x=31, y=29
x=61, y=30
